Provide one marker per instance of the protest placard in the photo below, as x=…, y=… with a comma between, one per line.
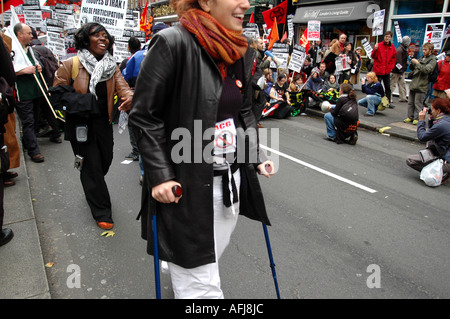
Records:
x=280, y=52
x=434, y=33
x=313, y=33
x=367, y=47
x=378, y=23
x=110, y=13
x=298, y=57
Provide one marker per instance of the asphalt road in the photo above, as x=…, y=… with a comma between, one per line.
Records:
x=347, y=222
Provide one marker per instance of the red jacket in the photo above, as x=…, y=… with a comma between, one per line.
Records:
x=385, y=58
x=443, y=80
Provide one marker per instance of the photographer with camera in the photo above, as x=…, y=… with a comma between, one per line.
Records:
x=421, y=69
x=438, y=135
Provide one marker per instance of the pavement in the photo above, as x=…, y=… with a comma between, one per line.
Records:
x=22, y=265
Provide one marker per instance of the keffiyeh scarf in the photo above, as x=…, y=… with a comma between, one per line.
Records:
x=225, y=46
x=99, y=70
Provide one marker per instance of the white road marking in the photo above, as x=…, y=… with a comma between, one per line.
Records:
x=320, y=170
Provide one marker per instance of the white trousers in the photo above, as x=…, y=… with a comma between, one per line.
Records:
x=203, y=282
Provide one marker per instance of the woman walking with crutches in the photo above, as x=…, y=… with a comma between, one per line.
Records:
x=193, y=119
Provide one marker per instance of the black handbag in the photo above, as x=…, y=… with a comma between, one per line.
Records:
x=432, y=152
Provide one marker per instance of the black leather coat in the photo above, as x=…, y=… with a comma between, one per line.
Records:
x=179, y=84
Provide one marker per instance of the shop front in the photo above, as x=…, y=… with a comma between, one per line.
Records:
x=412, y=17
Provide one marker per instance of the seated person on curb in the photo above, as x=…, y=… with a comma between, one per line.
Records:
x=343, y=120
x=299, y=101
x=331, y=90
x=438, y=133
x=280, y=104
x=314, y=87
x=374, y=91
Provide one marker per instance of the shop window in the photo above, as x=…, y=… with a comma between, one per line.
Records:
x=418, y=6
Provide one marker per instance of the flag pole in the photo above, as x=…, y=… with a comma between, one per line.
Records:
x=45, y=95
x=3, y=16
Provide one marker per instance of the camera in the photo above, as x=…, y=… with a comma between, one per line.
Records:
x=429, y=110
x=78, y=162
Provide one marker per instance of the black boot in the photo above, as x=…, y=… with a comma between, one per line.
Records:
x=6, y=235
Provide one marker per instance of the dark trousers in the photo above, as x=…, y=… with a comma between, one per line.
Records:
x=387, y=84
x=25, y=110
x=98, y=155
x=43, y=115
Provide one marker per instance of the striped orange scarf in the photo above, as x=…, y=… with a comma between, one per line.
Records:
x=225, y=46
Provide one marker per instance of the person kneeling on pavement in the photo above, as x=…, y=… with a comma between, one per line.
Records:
x=343, y=120
x=437, y=135
x=374, y=91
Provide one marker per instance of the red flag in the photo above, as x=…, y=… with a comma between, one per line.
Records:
x=273, y=37
x=304, y=40
x=252, y=19
x=8, y=3
x=143, y=22
x=278, y=12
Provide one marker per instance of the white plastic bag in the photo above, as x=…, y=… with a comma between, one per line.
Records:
x=123, y=121
x=432, y=173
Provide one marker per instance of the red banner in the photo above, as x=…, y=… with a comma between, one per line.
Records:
x=8, y=3
x=278, y=12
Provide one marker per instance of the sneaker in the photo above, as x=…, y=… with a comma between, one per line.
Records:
x=303, y=114
x=415, y=122
x=408, y=120
x=6, y=235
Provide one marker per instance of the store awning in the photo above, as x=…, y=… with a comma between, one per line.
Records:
x=332, y=13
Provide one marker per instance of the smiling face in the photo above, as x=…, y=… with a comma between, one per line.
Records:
x=229, y=13
x=98, y=42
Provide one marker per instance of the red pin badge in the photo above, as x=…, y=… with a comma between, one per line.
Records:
x=239, y=84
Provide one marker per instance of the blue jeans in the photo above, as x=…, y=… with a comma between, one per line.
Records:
x=329, y=123
x=371, y=102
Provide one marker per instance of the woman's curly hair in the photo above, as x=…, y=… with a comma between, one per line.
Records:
x=82, y=35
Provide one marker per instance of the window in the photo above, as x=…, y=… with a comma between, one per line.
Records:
x=418, y=6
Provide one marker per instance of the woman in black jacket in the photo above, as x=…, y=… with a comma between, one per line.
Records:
x=7, y=79
x=193, y=120
x=343, y=119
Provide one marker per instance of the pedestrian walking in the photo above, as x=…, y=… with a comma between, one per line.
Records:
x=196, y=83
x=91, y=134
x=7, y=79
x=29, y=93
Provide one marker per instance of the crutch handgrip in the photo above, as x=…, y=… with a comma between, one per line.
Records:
x=177, y=191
